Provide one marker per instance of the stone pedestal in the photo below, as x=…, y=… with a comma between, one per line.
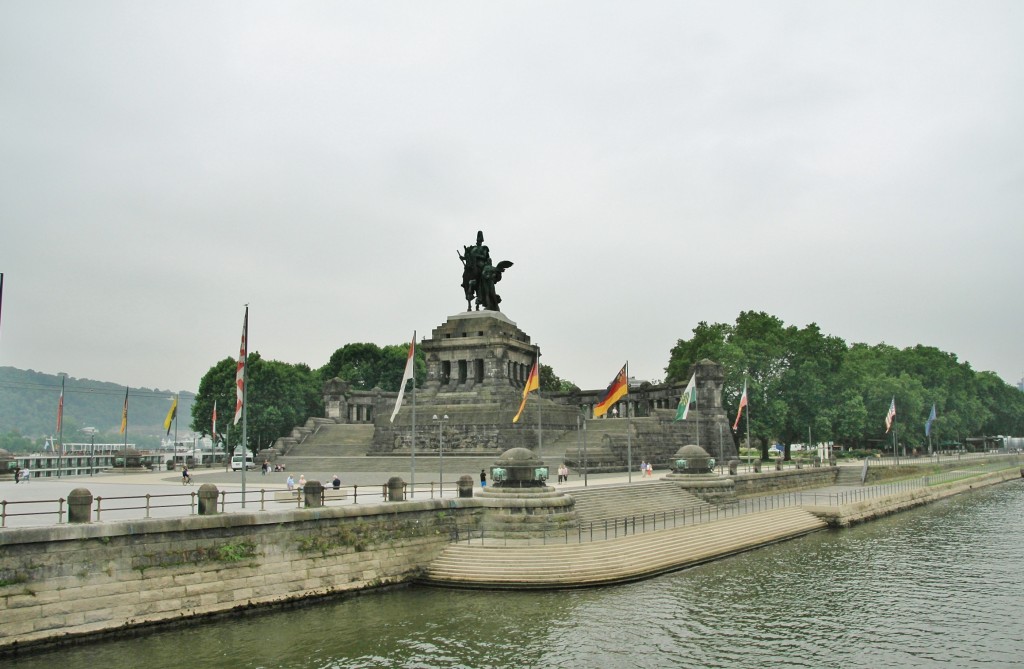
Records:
x=396, y=489
x=208, y=499
x=80, y=506
x=313, y=494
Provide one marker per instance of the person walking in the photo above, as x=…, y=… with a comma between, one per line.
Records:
x=483, y=478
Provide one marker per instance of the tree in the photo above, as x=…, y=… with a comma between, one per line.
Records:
x=279, y=396
x=551, y=383
x=367, y=366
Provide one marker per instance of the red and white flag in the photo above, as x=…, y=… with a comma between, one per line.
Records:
x=214, y=422
x=890, y=416
x=410, y=370
x=240, y=370
x=743, y=403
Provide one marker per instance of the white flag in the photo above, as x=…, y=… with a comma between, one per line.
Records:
x=409, y=371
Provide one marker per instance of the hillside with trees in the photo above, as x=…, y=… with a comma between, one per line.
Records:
x=29, y=400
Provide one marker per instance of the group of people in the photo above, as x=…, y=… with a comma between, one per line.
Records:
x=563, y=473
x=22, y=475
x=291, y=483
x=646, y=469
x=265, y=468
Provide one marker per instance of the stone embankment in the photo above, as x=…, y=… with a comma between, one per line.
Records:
x=629, y=558
x=59, y=584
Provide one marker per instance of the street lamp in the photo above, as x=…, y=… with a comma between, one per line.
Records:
x=91, y=431
x=440, y=447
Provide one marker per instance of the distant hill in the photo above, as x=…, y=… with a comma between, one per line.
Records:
x=29, y=399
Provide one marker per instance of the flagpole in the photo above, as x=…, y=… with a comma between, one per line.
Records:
x=696, y=403
x=748, y=421
x=245, y=399
x=629, y=440
x=60, y=427
x=412, y=471
x=540, y=431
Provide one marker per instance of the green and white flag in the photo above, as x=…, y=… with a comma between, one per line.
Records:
x=688, y=397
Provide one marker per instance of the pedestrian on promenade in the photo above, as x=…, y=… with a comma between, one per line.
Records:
x=290, y=483
x=336, y=482
x=643, y=468
x=650, y=470
x=302, y=480
x=483, y=478
x=17, y=474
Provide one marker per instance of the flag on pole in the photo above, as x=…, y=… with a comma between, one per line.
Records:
x=743, y=403
x=532, y=383
x=60, y=405
x=171, y=415
x=240, y=370
x=410, y=371
x=213, y=421
x=688, y=397
x=890, y=416
x=928, y=423
x=616, y=389
x=124, y=412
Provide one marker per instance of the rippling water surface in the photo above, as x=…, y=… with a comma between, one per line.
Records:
x=937, y=587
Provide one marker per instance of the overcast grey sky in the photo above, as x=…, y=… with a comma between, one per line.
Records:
x=645, y=165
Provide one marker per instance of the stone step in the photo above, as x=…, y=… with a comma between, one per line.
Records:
x=645, y=497
x=615, y=560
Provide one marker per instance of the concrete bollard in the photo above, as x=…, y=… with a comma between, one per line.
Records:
x=208, y=499
x=80, y=506
x=757, y=466
x=313, y=493
x=734, y=466
x=778, y=465
x=396, y=489
x=465, y=486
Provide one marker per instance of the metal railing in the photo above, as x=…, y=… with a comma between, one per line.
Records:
x=169, y=505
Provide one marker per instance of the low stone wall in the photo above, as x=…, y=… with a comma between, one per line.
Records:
x=850, y=514
x=58, y=583
x=769, y=482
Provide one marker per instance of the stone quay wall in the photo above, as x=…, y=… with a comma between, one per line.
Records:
x=769, y=481
x=60, y=583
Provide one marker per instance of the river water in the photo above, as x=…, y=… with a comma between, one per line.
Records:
x=939, y=586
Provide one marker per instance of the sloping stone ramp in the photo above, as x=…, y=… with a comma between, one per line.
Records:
x=638, y=556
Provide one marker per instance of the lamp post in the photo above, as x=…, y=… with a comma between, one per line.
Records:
x=91, y=431
x=440, y=447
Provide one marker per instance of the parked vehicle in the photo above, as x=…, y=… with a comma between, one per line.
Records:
x=238, y=459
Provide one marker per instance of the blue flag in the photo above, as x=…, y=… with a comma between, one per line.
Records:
x=928, y=423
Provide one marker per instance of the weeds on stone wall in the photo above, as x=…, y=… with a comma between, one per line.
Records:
x=360, y=535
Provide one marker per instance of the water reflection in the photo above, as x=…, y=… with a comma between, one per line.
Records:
x=939, y=586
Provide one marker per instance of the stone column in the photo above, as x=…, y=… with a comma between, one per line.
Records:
x=80, y=506
x=313, y=493
x=208, y=499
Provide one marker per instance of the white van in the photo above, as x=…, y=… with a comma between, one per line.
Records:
x=238, y=459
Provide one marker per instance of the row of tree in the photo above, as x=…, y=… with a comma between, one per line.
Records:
x=801, y=381
x=802, y=385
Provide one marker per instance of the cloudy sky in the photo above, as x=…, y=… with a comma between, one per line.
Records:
x=645, y=165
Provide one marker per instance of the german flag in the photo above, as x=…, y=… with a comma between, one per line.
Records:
x=532, y=383
x=616, y=389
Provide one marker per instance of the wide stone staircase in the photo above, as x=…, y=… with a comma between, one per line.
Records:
x=622, y=559
x=329, y=442
x=597, y=454
x=646, y=497
x=849, y=475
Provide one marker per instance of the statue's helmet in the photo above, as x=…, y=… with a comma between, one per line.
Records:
x=479, y=237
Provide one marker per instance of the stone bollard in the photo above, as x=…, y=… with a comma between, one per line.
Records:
x=208, y=499
x=757, y=466
x=817, y=462
x=465, y=486
x=313, y=493
x=832, y=460
x=778, y=465
x=734, y=466
x=396, y=489
x=80, y=506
